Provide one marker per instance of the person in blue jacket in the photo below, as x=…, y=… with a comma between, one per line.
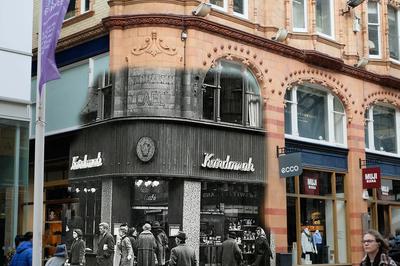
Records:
x=23, y=255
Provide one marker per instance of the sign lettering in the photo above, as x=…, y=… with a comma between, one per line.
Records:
x=227, y=164
x=86, y=163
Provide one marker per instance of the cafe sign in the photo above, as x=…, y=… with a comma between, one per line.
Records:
x=371, y=177
x=85, y=162
x=210, y=161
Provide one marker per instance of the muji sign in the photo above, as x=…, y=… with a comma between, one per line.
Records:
x=371, y=177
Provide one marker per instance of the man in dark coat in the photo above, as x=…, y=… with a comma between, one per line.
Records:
x=147, y=246
x=231, y=253
x=182, y=255
x=23, y=255
x=105, y=250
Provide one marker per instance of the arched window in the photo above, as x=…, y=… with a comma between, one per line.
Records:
x=231, y=94
x=312, y=112
x=382, y=129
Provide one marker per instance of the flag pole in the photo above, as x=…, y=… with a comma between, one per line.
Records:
x=39, y=157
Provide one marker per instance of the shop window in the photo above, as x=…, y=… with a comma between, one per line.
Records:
x=299, y=15
x=231, y=94
x=393, y=25
x=77, y=7
x=316, y=218
x=382, y=129
x=228, y=208
x=374, y=28
x=314, y=113
x=324, y=17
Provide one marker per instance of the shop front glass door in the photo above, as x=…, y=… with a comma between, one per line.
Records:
x=395, y=219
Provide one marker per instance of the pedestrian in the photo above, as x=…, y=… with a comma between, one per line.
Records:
x=78, y=247
x=147, y=246
x=182, y=255
x=161, y=241
x=231, y=253
x=60, y=257
x=394, y=244
x=23, y=255
x=105, y=248
x=375, y=248
x=132, y=234
x=262, y=250
x=125, y=247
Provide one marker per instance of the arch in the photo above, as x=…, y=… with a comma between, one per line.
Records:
x=383, y=96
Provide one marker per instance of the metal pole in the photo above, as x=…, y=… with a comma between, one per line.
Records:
x=39, y=158
x=16, y=180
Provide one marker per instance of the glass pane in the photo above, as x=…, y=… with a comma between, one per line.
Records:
x=311, y=113
x=386, y=190
x=366, y=131
x=393, y=33
x=290, y=185
x=337, y=105
x=253, y=100
x=298, y=14
x=71, y=9
x=87, y=5
x=219, y=3
x=395, y=223
x=288, y=118
x=323, y=16
x=291, y=222
x=372, y=12
x=341, y=231
x=231, y=102
x=208, y=94
x=384, y=129
x=238, y=6
x=317, y=227
x=340, y=185
x=338, y=120
x=373, y=36
x=315, y=183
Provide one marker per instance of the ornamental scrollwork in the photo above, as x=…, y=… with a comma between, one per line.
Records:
x=154, y=46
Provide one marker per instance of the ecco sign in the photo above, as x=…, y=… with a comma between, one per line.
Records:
x=290, y=165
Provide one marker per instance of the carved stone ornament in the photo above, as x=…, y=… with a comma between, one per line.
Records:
x=145, y=149
x=154, y=46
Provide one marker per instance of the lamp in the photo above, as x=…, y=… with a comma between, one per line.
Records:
x=362, y=62
x=202, y=10
x=281, y=35
x=351, y=4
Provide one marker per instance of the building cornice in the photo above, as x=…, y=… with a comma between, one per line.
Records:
x=310, y=57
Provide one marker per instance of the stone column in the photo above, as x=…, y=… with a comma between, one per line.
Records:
x=191, y=214
x=106, y=201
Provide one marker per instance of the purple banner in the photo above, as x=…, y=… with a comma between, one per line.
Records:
x=53, y=12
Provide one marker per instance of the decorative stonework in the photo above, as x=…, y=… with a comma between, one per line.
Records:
x=316, y=76
x=154, y=46
x=394, y=3
x=386, y=96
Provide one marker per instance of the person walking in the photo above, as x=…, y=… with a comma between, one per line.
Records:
x=60, y=257
x=182, y=255
x=262, y=250
x=132, y=234
x=77, y=249
x=161, y=241
x=231, y=253
x=105, y=248
x=375, y=248
x=23, y=255
x=125, y=247
x=147, y=246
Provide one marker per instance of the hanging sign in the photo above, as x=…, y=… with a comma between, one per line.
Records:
x=371, y=177
x=290, y=165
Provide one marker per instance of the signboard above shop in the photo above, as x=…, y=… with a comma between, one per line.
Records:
x=371, y=177
x=290, y=165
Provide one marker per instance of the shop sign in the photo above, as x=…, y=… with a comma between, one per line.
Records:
x=385, y=190
x=371, y=177
x=290, y=165
x=227, y=164
x=311, y=185
x=86, y=163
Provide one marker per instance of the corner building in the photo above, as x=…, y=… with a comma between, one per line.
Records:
x=186, y=116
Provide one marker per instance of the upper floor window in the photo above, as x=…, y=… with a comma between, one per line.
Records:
x=393, y=25
x=382, y=129
x=240, y=7
x=324, y=17
x=77, y=7
x=231, y=94
x=374, y=35
x=314, y=113
x=299, y=14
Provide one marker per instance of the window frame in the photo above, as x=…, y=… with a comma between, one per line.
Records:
x=371, y=134
x=216, y=87
x=305, y=13
x=398, y=32
x=332, y=20
x=79, y=9
x=245, y=14
x=224, y=8
x=330, y=138
x=379, y=41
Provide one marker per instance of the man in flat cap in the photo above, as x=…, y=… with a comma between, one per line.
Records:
x=182, y=255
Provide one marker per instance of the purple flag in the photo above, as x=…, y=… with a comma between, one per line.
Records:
x=53, y=13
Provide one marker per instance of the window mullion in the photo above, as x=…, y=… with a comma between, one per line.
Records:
x=371, y=128
x=217, y=95
x=331, y=126
x=295, y=130
x=397, y=126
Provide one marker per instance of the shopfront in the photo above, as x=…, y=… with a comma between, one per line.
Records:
x=202, y=178
x=316, y=206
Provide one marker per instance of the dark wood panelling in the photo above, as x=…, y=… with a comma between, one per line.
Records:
x=180, y=149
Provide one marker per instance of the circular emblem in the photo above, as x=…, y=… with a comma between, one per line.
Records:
x=145, y=149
